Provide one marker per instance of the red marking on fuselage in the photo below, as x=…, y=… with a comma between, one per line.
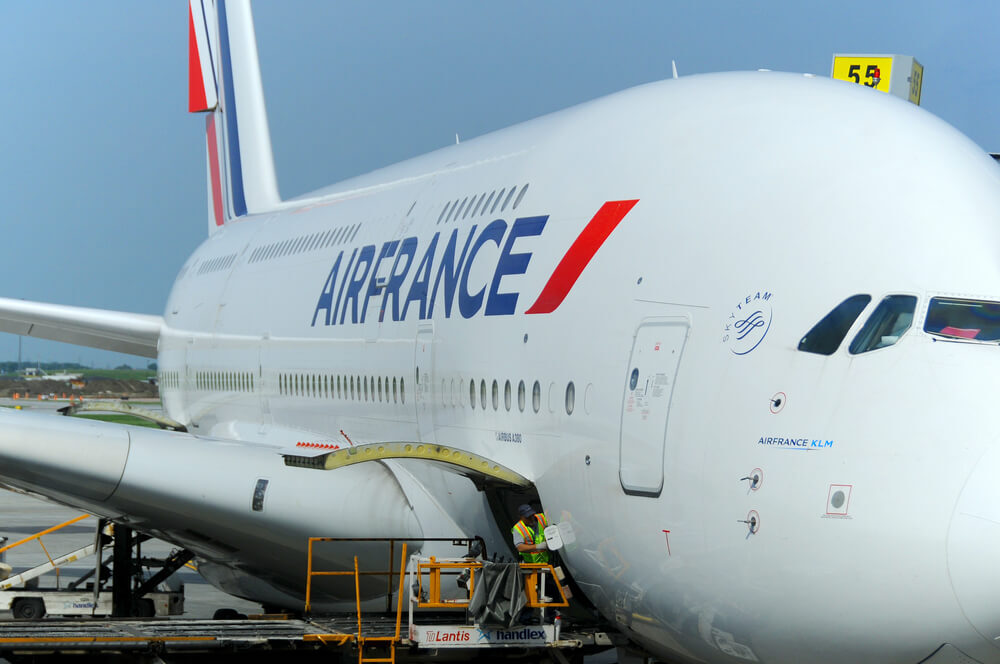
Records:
x=325, y=446
x=580, y=252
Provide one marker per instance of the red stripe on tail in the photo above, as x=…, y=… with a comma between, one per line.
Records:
x=196, y=84
x=213, y=165
x=576, y=259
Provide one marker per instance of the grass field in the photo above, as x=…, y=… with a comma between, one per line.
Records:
x=131, y=420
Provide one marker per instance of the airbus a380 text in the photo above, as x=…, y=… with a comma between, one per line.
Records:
x=659, y=308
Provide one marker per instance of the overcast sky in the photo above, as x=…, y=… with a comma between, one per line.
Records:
x=102, y=171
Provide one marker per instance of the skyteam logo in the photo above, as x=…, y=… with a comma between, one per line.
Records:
x=453, y=274
x=748, y=323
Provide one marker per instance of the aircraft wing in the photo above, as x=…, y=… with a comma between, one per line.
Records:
x=136, y=334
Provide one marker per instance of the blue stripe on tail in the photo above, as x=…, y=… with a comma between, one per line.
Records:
x=232, y=128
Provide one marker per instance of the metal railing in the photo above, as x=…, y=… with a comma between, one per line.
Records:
x=391, y=541
x=360, y=638
x=38, y=536
x=432, y=568
x=535, y=575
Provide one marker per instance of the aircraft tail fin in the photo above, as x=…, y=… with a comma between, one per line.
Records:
x=224, y=83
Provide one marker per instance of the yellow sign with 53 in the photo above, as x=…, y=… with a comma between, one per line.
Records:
x=916, y=82
x=873, y=71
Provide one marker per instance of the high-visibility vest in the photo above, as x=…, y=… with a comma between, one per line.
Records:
x=530, y=535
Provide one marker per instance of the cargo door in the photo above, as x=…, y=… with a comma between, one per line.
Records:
x=264, y=407
x=649, y=385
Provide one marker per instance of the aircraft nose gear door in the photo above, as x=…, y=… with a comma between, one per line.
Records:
x=424, y=389
x=649, y=385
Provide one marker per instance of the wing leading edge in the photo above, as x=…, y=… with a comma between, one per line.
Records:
x=136, y=334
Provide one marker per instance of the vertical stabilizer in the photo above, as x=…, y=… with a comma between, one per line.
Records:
x=224, y=82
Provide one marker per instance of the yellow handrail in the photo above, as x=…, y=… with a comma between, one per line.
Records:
x=44, y=532
x=38, y=536
x=357, y=597
x=532, y=576
x=399, y=600
x=360, y=639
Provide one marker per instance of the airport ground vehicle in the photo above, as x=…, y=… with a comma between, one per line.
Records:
x=143, y=595
x=35, y=603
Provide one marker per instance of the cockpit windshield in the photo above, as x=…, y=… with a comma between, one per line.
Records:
x=825, y=336
x=976, y=320
x=890, y=320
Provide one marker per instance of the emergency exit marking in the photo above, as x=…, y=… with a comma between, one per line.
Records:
x=667, y=534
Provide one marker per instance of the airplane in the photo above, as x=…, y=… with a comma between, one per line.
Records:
x=734, y=332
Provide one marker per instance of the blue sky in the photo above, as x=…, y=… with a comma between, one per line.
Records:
x=103, y=171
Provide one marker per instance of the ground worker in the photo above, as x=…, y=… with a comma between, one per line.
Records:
x=529, y=535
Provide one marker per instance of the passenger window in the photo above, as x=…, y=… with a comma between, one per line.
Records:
x=825, y=336
x=975, y=320
x=891, y=318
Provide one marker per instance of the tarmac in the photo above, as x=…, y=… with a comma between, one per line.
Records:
x=23, y=515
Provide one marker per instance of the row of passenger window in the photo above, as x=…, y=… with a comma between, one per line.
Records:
x=224, y=381
x=304, y=243
x=480, y=204
x=353, y=388
x=951, y=318
x=170, y=379
x=483, y=396
x=376, y=388
x=216, y=264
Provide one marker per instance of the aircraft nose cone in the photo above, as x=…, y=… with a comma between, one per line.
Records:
x=974, y=547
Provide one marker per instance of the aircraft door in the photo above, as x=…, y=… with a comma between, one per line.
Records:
x=424, y=374
x=649, y=385
x=174, y=392
x=264, y=407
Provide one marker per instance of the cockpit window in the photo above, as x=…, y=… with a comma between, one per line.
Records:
x=825, y=336
x=891, y=318
x=963, y=319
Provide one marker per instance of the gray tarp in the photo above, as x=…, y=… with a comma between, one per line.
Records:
x=498, y=596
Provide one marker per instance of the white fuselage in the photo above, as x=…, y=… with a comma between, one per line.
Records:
x=757, y=193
